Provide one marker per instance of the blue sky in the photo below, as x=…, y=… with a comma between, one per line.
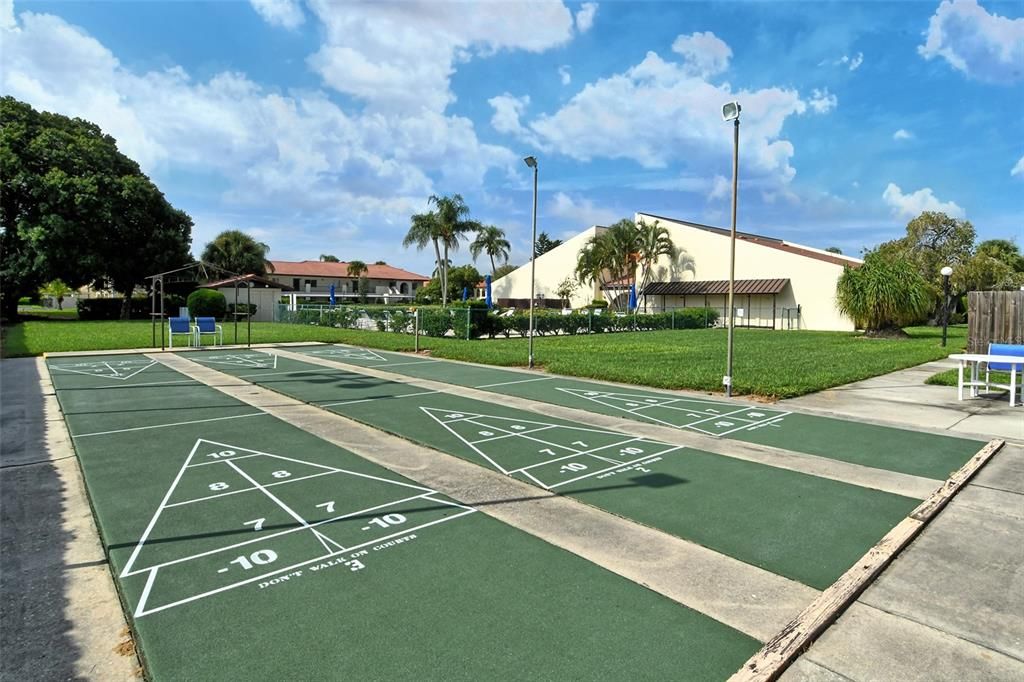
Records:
x=320, y=127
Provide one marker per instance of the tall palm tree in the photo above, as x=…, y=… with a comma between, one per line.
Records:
x=356, y=268
x=425, y=230
x=237, y=252
x=653, y=242
x=491, y=240
x=453, y=223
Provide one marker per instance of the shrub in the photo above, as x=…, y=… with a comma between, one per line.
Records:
x=110, y=308
x=207, y=303
x=435, y=321
x=245, y=310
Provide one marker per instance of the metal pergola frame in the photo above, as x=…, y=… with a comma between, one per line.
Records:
x=203, y=272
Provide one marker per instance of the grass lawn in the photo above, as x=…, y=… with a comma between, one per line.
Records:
x=948, y=378
x=772, y=364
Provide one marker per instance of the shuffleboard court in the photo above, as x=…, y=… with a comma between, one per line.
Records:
x=249, y=549
x=793, y=524
x=882, y=447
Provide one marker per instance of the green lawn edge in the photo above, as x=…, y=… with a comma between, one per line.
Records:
x=772, y=364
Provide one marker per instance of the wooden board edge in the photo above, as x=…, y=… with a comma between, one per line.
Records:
x=784, y=648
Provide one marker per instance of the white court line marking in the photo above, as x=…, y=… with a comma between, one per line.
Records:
x=412, y=362
x=159, y=510
x=148, y=383
x=509, y=383
x=470, y=416
x=163, y=426
x=348, y=353
x=581, y=452
x=507, y=434
x=721, y=416
x=323, y=466
x=638, y=459
x=141, y=606
x=247, y=490
x=116, y=374
x=264, y=538
x=301, y=563
x=768, y=421
x=324, y=540
x=325, y=370
x=473, y=447
x=590, y=453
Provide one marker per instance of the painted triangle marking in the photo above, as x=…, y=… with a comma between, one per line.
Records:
x=350, y=353
x=247, y=360
x=107, y=369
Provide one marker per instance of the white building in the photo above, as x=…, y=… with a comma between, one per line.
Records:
x=313, y=279
x=779, y=284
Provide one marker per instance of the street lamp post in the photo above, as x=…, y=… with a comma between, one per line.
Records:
x=531, y=161
x=731, y=112
x=946, y=272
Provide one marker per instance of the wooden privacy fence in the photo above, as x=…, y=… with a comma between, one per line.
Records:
x=994, y=317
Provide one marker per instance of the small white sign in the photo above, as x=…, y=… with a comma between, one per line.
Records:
x=727, y=380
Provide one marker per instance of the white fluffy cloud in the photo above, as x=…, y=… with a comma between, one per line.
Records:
x=911, y=205
x=1018, y=169
x=399, y=56
x=284, y=13
x=720, y=187
x=704, y=54
x=658, y=112
x=580, y=211
x=902, y=134
x=822, y=101
x=585, y=17
x=565, y=73
x=267, y=148
x=985, y=46
x=507, y=113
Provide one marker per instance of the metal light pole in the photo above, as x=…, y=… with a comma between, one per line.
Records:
x=731, y=112
x=532, y=163
x=946, y=272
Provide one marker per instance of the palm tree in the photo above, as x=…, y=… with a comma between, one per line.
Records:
x=884, y=294
x=238, y=253
x=328, y=258
x=653, y=242
x=56, y=289
x=444, y=227
x=356, y=268
x=491, y=240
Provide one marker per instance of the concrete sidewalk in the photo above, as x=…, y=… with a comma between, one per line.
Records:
x=951, y=606
x=903, y=399
x=60, y=618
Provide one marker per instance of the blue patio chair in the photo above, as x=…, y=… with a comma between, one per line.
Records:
x=208, y=325
x=180, y=326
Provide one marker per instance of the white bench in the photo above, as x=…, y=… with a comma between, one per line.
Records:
x=1015, y=364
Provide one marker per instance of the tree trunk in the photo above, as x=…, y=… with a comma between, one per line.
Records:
x=440, y=272
x=444, y=278
x=494, y=268
x=126, y=303
x=9, y=308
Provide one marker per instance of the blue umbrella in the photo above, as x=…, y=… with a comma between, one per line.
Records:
x=487, y=295
x=632, y=296
x=332, y=295
x=465, y=293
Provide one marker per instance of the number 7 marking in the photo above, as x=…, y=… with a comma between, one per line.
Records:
x=258, y=524
x=328, y=506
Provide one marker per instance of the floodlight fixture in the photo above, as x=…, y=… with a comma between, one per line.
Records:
x=731, y=111
x=531, y=161
x=946, y=271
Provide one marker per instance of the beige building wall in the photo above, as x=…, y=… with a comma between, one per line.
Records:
x=552, y=267
x=812, y=281
x=266, y=300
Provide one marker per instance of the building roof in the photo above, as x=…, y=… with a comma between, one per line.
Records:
x=255, y=279
x=771, y=242
x=715, y=287
x=316, y=268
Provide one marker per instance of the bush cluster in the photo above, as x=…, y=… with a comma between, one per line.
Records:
x=473, y=320
x=207, y=303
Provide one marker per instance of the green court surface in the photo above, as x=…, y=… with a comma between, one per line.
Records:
x=245, y=548
x=800, y=526
x=881, y=447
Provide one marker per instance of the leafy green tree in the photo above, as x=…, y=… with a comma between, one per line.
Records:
x=933, y=241
x=74, y=207
x=652, y=242
x=996, y=265
x=363, y=285
x=462, y=277
x=1004, y=250
x=237, y=252
x=835, y=249
x=503, y=270
x=356, y=268
x=544, y=244
x=884, y=294
x=328, y=258
x=57, y=290
x=491, y=240
x=565, y=289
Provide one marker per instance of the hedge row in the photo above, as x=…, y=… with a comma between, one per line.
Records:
x=475, y=321
x=110, y=308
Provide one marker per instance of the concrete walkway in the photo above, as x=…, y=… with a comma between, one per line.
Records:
x=903, y=399
x=952, y=604
x=60, y=618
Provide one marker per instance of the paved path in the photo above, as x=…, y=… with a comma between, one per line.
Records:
x=953, y=602
x=60, y=617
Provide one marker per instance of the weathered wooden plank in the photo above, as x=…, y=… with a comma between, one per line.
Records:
x=779, y=653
